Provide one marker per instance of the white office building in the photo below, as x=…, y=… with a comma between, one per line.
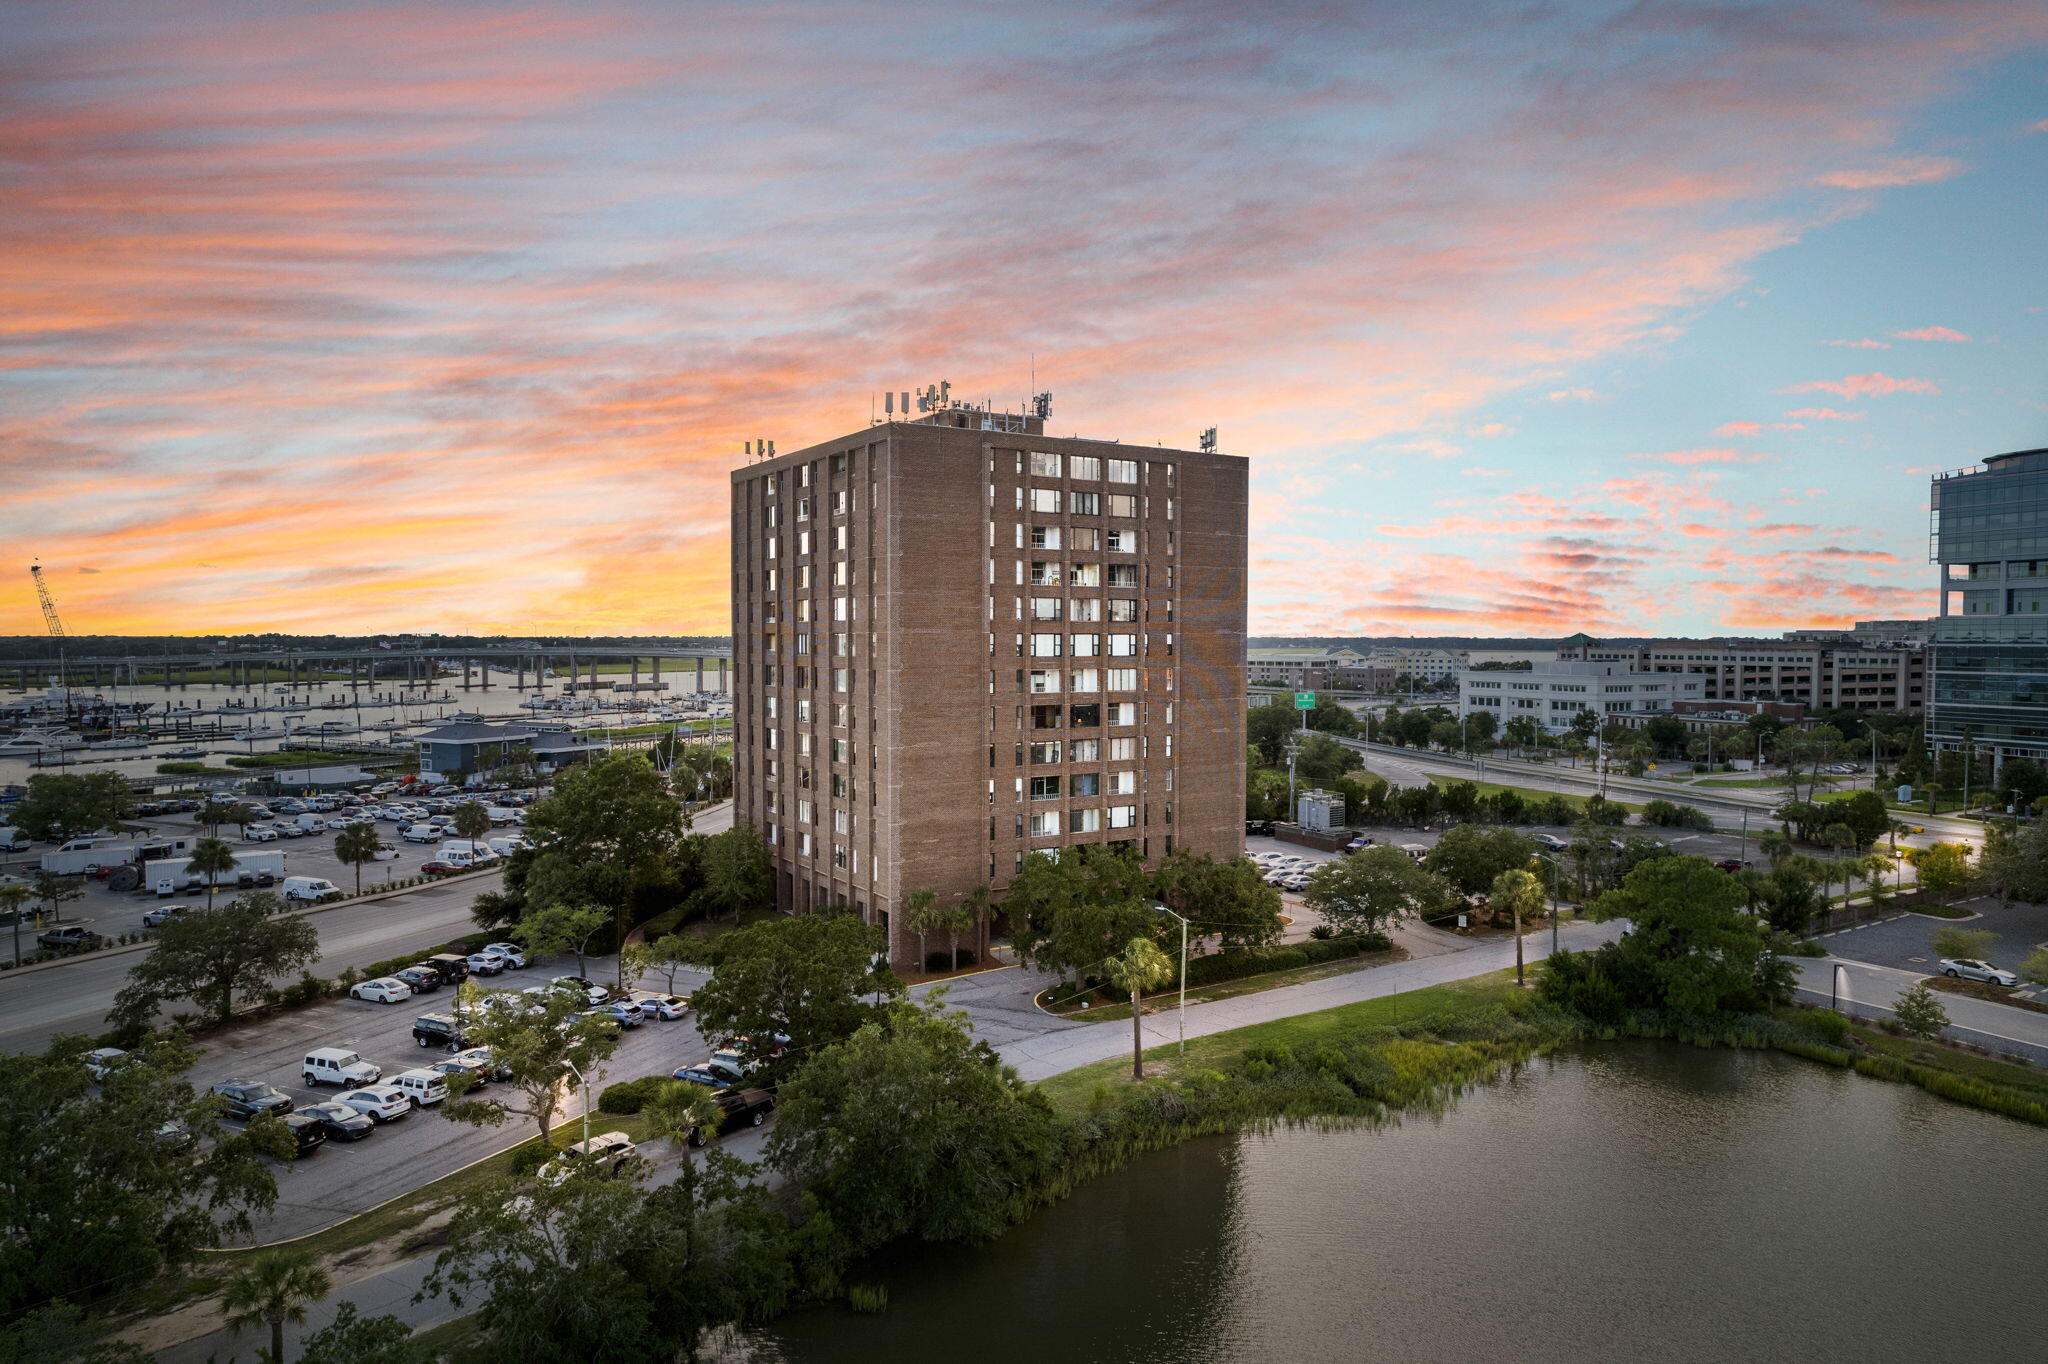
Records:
x=1553, y=693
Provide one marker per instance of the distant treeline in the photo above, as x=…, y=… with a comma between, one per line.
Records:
x=116, y=646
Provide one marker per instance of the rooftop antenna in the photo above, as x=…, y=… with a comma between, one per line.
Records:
x=1041, y=405
x=1209, y=441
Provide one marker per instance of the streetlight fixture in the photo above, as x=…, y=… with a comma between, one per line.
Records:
x=1183, y=974
x=1557, y=870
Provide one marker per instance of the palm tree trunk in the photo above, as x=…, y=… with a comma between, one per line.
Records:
x=277, y=1338
x=1137, y=1040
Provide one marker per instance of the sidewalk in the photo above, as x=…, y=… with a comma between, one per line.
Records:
x=1036, y=1058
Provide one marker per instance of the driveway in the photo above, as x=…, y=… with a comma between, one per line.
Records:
x=1906, y=943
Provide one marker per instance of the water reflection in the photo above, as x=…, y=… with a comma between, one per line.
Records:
x=1630, y=1202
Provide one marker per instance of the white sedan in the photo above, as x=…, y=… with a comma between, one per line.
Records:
x=381, y=1103
x=386, y=990
x=666, y=1007
x=1969, y=968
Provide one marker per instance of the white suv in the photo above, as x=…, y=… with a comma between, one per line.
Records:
x=380, y=1103
x=333, y=1066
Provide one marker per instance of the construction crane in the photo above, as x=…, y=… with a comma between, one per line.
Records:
x=49, y=607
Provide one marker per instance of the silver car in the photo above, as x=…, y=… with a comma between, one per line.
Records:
x=1969, y=968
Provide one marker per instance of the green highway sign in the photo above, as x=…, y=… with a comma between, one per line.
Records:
x=1304, y=700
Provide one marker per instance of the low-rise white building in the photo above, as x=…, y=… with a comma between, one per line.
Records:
x=1421, y=664
x=1552, y=693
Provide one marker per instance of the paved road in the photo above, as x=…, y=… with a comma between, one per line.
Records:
x=74, y=995
x=1872, y=989
x=1726, y=802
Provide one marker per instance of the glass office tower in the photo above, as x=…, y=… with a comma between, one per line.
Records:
x=1989, y=686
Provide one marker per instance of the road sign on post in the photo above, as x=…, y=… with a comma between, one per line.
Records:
x=1304, y=700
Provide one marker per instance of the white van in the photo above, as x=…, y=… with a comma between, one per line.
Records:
x=334, y=1066
x=505, y=847
x=307, y=889
x=312, y=824
x=503, y=814
x=11, y=838
x=423, y=1087
x=420, y=833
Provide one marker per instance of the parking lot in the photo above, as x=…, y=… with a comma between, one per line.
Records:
x=1907, y=942
x=1692, y=842
x=112, y=913
x=343, y=1178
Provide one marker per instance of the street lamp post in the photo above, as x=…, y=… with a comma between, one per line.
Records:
x=573, y=1070
x=1556, y=870
x=1183, y=975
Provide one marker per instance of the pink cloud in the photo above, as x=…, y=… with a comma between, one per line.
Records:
x=1823, y=414
x=1572, y=395
x=1931, y=334
x=1865, y=344
x=1713, y=455
x=1900, y=170
x=1755, y=428
x=1863, y=385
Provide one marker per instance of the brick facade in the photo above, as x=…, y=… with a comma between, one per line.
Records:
x=925, y=686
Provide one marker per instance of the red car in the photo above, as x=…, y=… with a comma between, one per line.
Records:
x=437, y=868
x=1730, y=864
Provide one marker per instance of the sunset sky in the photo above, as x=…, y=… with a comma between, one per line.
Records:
x=1533, y=318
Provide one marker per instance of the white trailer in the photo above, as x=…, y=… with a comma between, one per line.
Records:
x=84, y=856
x=168, y=876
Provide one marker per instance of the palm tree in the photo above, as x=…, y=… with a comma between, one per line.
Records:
x=1137, y=969
x=273, y=1290
x=210, y=858
x=967, y=917
x=921, y=915
x=357, y=844
x=472, y=820
x=678, y=1112
x=12, y=898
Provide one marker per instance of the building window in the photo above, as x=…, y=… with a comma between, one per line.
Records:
x=1084, y=575
x=1123, y=646
x=1124, y=575
x=1044, y=573
x=1123, y=783
x=1123, y=712
x=1045, y=537
x=1045, y=608
x=1123, y=542
x=1121, y=816
x=1045, y=646
x=1083, y=680
x=1086, y=610
x=1084, y=539
x=1086, y=646
x=1083, y=821
x=1045, y=500
x=1045, y=464
x=1084, y=466
x=1044, y=823
x=1084, y=750
x=1123, y=471
x=1047, y=717
x=1122, y=609
x=1043, y=680
x=1087, y=716
x=1085, y=784
x=1045, y=788
x=1085, y=504
x=1123, y=679
x=1123, y=504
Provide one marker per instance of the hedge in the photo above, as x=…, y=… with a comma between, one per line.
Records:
x=630, y=1096
x=1238, y=962
x=461, y=947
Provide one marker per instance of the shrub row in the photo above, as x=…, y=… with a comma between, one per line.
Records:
x=630, y=1096
x=461, y=947
x=1238, y=963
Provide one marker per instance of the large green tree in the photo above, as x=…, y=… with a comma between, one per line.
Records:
x=1228, y=900
x=273, y=1289
x=60, y=805
x=910, y=1127
x=94, y=1197
x=562, y=930
x=737, y=873
x=1375, y=889
x=814, y=979
x=539, y=1043
x=1470, y=856
x=214, y=956
x=2015, y=864
x=1070, y=914
x=611, y=835
x=1141, y=966
x=1690, y=949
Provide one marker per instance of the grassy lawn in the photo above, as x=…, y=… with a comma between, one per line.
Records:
x=1168, y=999
x=660, y=727
x=1073, y=1090
x=1487, y=788
x=1739, y=781
x=297, y=757
x=2025, y=1079
x=1990, y=994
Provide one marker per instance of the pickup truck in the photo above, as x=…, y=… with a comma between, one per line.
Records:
x=68, y=939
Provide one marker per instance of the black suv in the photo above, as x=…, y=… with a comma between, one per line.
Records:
x=307, y=1133
x=738, y=1108
x=423, y=978
x=439, y=1030
x=451, y=968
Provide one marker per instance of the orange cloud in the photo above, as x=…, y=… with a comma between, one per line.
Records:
x=1902, y=170
x=1931, y=334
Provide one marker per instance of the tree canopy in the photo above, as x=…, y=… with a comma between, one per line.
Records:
x=1375, y=888
x=214, y=956
x=807, y=978
x=63, y=805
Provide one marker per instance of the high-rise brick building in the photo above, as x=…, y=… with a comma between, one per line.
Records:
x=958, y=640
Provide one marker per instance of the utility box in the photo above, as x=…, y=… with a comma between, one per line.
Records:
x=1320, y=810
x=1905, y=795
